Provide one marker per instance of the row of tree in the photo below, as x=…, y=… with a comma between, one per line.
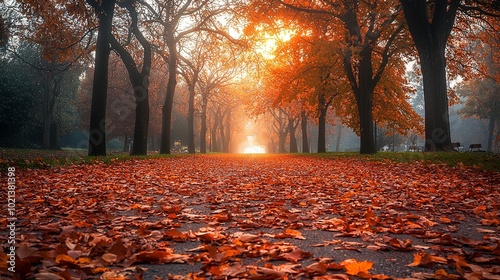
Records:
x=137, y=31
x=346, y=55
x=359, y=48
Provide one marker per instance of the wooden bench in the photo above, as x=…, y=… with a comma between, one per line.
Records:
x=457, y=147
x=475, y=148
x=415, y=149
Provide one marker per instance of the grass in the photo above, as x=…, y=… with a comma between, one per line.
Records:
x=32, y=158
x=486, y=161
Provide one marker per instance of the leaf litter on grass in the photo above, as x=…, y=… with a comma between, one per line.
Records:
x=109, y=221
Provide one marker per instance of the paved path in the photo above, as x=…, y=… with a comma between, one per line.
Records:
x=259, y=216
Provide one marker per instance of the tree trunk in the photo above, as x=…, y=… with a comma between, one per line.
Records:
x=191, y=145
x=303, y=126
x=322, y=131
x=281, y=142
x=364, y=100
x=271, y=147
x=169, y=97
x=215, y=143
x=293, y=139
x=437, y=122
x=367, y=140
x=222, y=134
x=491, y=129
x=203, y=130
x=126, y=143
x=54, y=136
x=227, y=135
x=430, y=35
x=339, y=137
x=140, y=144
x=47, y=120
x=97, y=129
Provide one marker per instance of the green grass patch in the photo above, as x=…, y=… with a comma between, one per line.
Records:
x=486, y=161
x=33, y=158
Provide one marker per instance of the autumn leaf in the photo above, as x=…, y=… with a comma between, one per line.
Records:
x=159, y=256
x=64, y=259
x=317, y=268
x=399, y=244
x=235, y=270
x=245, y=238
x=332, y=277
x=48, y=276
x=425, y=259
x=100, y=232
x=356, y=268
x=109, y=257
x=295, y=255
x=176, y=235
x=290, y=233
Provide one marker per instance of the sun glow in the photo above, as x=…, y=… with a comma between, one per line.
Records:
x=269, y=43
x=250, y=147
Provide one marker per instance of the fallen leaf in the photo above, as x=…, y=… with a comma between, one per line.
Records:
x=356, y=268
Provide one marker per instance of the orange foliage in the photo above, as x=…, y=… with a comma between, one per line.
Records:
x=62, y=28
x=311, y=63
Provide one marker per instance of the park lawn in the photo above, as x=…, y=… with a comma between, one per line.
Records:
x=256, y=217
x=482, y=160
x=33, y=158
x=36, y=158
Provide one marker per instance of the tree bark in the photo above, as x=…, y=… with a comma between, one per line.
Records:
x=281, y=142
x=303, y=126
x=169, y=97
x=293, y=139
x=140, y=144
x=126, y=143
x=322, y=124
x=491, y=129
x=191, y=145
x=339, y=137
x=367, y=141
x=430, y=37
x=364, y=100
x=216, y=147
x=226, y=141
x=140, y=83
x=437, y=122
x=97, y=129
x=54, y=136
x=203, y=129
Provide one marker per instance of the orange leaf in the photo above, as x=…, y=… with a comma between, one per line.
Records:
x=317, y=268
x=64, y=259
x=295, y=255
x=108, y=257
x=425, y=259
x=290, y=233
x=353, y=267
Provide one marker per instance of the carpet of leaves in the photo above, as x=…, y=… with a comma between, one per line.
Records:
x=250, y=217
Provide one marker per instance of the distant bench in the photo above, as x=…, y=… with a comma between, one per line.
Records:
x=415, y=149
x=457, y=146
x=475, y=148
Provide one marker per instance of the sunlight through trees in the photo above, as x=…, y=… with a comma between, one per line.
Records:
x=300, y=70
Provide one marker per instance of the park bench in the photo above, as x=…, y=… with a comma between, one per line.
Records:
x=457, y=147
x=415, y=149
x=475, y=148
